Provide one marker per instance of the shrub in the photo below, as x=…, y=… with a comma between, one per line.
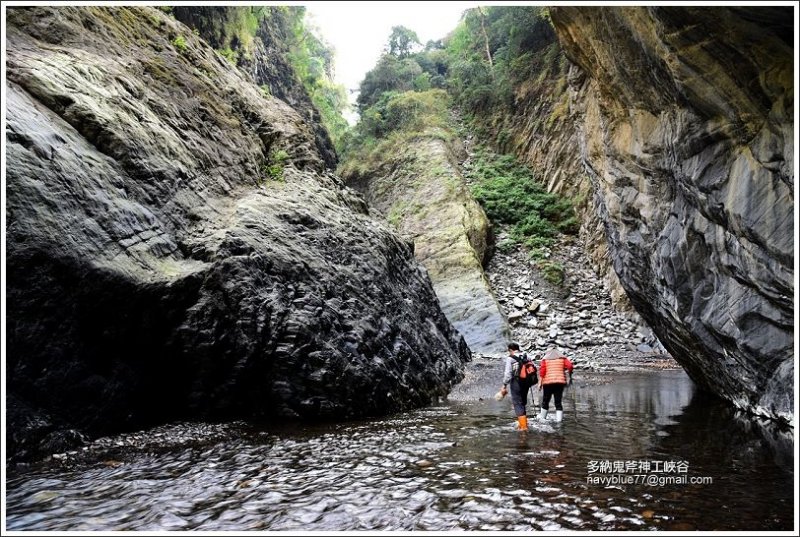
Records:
x=229, y=54
x=511, y=196
x=552, y=271
x=180, y=43
x=274, y=168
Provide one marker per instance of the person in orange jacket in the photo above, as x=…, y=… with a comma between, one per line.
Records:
x=552, y=380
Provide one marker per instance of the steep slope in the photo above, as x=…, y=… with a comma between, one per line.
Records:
x=686, y=132
x=257, y=38
x=540, y=130
x=177, y=249
x=413, y=179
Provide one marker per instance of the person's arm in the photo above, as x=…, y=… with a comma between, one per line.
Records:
x=568, y=367
x=542, y=372
x=507, y=372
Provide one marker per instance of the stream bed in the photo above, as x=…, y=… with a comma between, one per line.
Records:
x=636, y=450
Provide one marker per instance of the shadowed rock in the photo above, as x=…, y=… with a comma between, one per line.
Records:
x=176, y=247
x=687, y=136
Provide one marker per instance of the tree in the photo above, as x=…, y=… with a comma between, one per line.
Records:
x=402, y=41
x=486, y=40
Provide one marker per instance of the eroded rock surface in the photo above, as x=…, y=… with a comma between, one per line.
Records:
x=422, y=192
x=177, y=249
x=687, y=136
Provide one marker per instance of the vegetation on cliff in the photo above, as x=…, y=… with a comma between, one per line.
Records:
x=235, y=33
x=476, y=69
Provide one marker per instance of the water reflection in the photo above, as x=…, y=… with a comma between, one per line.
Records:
x=456, y=465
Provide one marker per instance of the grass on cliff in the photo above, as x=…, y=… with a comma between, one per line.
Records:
x=513, y=197
x=386, y=128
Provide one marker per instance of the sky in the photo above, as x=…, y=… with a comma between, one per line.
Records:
x=358, y=31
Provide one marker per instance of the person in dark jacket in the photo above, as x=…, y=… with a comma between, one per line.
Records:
x=519, y=387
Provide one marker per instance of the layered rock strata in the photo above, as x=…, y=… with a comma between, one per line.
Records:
x=421, y=191
x=687, y=135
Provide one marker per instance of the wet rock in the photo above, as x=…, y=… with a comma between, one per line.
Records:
x=156, y=271
x=33, y=433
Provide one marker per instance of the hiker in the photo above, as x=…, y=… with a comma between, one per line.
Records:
x=519, y=375
x=552, y=380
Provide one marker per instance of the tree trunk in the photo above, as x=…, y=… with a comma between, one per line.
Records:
x=486, y=41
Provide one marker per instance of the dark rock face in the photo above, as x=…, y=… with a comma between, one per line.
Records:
x=175, y=248
x=687, y=136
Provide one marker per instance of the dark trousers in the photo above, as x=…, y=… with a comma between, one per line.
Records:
x=519, y=395
x=552, y=390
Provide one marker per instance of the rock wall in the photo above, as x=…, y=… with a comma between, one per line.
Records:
x=264, y=59
x=540, y=129
x=176, y=248
x=686, y=133
x=421, y=191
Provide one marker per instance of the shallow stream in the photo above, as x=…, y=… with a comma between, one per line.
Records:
x=459, y=464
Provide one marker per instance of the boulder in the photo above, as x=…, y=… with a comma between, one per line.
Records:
x=177, y=249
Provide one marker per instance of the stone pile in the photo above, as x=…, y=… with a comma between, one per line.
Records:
x=577, y=316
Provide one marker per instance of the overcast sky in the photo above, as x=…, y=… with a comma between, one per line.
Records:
x=359, y=30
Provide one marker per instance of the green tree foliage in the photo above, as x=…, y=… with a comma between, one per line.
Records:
x=312, y=60
x=386, y=128
x=401, y=69
x=515, y=38
x=401, y=42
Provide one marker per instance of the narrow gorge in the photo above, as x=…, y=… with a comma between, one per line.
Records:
x=228, y=308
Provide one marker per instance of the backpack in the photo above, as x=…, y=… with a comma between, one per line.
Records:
x=525, y=370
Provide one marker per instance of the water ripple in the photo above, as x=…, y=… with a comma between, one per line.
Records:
x=455, y=466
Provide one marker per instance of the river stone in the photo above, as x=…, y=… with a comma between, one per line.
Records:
x=156, y=271
x=516, y=315
x=692, y=166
